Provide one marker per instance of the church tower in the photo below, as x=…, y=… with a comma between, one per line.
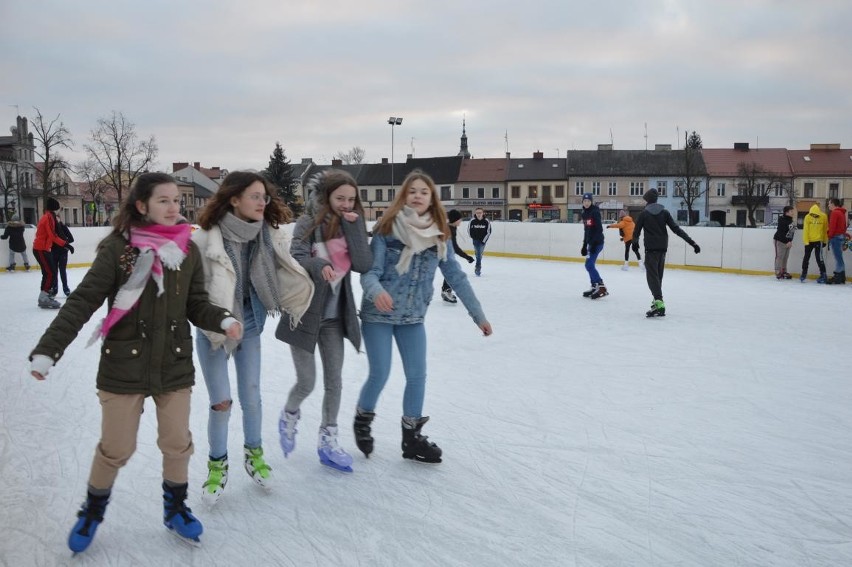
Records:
x=463, y=151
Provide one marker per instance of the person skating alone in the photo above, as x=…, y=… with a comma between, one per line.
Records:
x=14, y=231
x=783, y=240
x=653, y=220
x=330, y=242
x=625, y=226
x=454, y=219
x=593, y=244
x=409, y=244
x=479, y=230
x=150, y=273
x=248, y=270
x=815, y=237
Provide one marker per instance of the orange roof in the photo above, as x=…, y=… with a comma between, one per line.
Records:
x=723, y=162
x=837, y=162
x=483, y=169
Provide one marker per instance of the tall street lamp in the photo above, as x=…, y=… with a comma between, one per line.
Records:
x=393, y=121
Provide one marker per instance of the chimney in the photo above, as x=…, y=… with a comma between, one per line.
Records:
x=604, y=147
x=817, y=147
x=538, y=155
x=385, y=160
x=408, y=157
x=336, y=162
x=307, y=160
x=662, y=147
x=178, y=165
x=508, y=155
x=197, y=165
x=741, y=146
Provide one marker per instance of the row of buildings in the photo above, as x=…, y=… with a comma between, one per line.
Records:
x=508, y=188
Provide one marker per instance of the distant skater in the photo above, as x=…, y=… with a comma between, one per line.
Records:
x=593, y=244
x=625, y=226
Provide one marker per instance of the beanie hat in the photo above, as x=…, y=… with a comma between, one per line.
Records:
x=622, y=214
x=51, y=204
x=650, y=196
x=588, y=196
x=453, y=215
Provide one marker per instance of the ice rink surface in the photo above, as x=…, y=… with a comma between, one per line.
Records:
x=579, y=434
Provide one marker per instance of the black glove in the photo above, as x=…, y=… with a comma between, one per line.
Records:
x=635, y=246
x=621, y=239
x=697, y=248
x=469, y=260
x=584, y=250
x=69, y=248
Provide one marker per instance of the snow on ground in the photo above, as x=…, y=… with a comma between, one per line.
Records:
x=579, y=434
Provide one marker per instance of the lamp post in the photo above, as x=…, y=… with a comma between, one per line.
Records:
x=393, y=121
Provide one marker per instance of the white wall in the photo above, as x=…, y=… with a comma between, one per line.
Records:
x=741, y=250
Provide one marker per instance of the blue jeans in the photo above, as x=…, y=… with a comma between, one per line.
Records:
x=214, y=366
x=836, y=245
x=411, y=343
x=478, y=250
x=594, y=276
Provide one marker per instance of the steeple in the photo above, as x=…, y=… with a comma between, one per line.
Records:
x=463, y=151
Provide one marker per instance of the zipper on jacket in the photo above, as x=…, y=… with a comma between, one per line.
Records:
x=143, y=329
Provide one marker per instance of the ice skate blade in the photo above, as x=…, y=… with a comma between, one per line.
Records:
x=193, y=542
x=334, y=466
x=417, y=459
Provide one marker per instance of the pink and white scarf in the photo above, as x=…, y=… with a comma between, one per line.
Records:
x=159, y=246
x=335, y=251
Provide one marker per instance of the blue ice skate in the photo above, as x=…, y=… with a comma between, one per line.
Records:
x=177, y=516
x=329, y=450
x=90, y=516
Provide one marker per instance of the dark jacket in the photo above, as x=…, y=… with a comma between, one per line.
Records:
x=15, y=233
x=786, y=229
x=479, y=229
x=63, y=232
x=304, y=236
x=653, y=221
x=148, y=351
x=592, y=227
x=456, y=248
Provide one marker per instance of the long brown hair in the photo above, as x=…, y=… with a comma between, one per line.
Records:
x=385, y=224
x=143, y=187
x=275, y=213
x=321, y=187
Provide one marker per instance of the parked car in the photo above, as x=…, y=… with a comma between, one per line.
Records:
x=708, y=223
x=772, y=225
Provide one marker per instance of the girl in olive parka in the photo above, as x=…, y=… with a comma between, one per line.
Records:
x=151, y=275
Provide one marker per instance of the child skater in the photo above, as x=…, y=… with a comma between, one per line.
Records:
x=151, y=275
x=249, y=271
x=330, y=242
x=454, y=219
x=17, y=245
x=625, y=228
x=409, y=244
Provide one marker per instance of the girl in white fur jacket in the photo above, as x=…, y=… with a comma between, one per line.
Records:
x=248, y=269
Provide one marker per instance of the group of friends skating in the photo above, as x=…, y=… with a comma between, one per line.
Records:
x=819, y=231
x=226, y=279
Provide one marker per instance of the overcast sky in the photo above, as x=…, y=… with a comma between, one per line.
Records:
x=220, y=82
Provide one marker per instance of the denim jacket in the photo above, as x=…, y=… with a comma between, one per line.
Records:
x=412, y=291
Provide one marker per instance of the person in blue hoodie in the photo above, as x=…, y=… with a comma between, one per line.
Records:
x=653, y=221
x=593, y=244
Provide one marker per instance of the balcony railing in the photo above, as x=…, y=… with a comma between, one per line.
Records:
x=741, y=199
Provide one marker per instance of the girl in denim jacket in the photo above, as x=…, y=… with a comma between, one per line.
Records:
x=409, y=244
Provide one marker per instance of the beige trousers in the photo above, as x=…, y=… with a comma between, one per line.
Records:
x=120, y=426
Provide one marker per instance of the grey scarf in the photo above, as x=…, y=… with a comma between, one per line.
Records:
x=236, y=233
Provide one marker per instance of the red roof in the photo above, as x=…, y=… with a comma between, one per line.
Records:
x=836, y=162
x=483, y=169
x=723, y=162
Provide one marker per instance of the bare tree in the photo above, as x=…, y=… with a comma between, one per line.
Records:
x=49, y=137
x=754, y=185
x=121, y=155
x=94, y=188
x=688, y=187
x=353, y=156
x=9, y=190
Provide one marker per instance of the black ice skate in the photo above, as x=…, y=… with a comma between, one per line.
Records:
x=416, y=446
x=600, y=291
x=658, y=309
x=363, y=434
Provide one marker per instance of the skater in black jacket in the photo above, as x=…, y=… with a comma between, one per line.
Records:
x=479, y=230
x=654, y=220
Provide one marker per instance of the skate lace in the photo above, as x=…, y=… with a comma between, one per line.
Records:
x=331, y=443
x=179, y=507
x=216, y=472
x=258, y=466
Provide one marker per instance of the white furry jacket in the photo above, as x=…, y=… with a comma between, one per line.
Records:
x=295, y=287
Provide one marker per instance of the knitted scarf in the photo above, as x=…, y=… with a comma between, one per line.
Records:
x=260, y=270
x=158, y=245
x=418, y=233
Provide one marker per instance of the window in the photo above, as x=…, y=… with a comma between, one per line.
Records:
x=379, y=195
x=446, y=193
x=560, y=192
x=480, y=192
x=678, y=188
x=662, y=188
x=579, y=187
x=516, y=191
x=720, y=189
x=833, y=190
x=779, y=190
x=761, y=190
x=532, y=192
x=759, y=215
x=495, y=192
x=612, y=190
x=596, y=187
x=637, y=188
x=809, y=190
x=545, y=192
x=465, y=192
x=391, y=194
x=364, y=195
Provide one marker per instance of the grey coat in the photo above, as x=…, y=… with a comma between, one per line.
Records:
x=304, y=236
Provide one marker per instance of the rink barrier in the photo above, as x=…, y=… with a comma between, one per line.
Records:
x=734, y=250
